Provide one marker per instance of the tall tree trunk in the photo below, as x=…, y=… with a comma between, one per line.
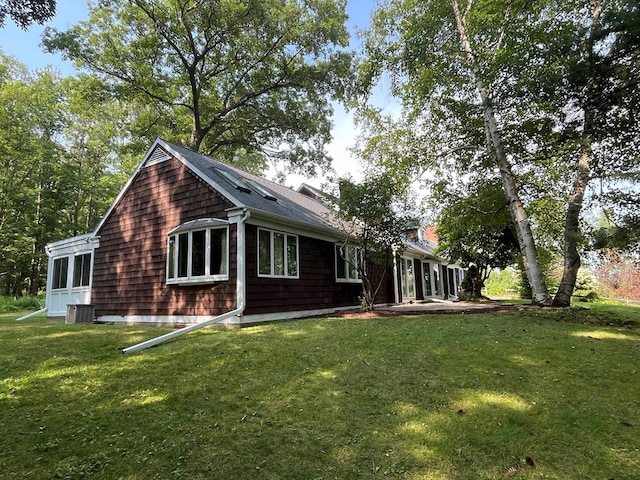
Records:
x=519, y=215
x=572, y=232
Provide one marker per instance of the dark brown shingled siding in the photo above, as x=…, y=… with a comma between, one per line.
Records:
x=315, y=289
x=129, y=269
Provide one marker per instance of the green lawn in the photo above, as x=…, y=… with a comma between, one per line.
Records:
x=523, y=395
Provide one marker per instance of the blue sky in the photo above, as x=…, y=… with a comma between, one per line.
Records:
x=25, y=47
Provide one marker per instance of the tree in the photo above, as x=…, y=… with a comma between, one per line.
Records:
x=223, y=76
x=29, y=122
x=618, y=274
x=541, y=94
x=26, y=12
x=475, y=229
x=60, y=166
x=374, y=214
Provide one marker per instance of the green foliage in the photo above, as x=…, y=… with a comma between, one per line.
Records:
x=61, y=165
x=222, y=76
x=560, y=79
x=475, y=227
x=488, y=392
x=590, y=297
x=503, y=283
x=10, y=304
x=374, y=214
x=26, y=12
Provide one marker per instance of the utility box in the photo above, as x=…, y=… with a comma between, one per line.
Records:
x=77, y=313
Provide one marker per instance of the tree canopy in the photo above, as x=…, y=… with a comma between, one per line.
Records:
x=540, y=95
x=374, y=214
x=26, y=12
x=229, y=77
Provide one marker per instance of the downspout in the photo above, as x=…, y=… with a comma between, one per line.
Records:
x=241, y=288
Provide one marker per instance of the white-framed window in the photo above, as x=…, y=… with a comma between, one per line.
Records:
x=407, y=277
x=348, y=258
x=277, y=254
x=60, y=272
x=81, y=270
x=198, y=252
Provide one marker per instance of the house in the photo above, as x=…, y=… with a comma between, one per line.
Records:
x=189, y=239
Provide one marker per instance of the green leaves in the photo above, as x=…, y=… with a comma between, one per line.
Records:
x=225, y=75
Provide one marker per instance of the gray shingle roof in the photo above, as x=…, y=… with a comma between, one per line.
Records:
x=288, y=204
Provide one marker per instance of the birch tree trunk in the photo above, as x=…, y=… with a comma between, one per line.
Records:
x=572, y=231
x=526, y=241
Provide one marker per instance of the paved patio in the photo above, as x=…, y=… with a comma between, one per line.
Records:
x=446, y=306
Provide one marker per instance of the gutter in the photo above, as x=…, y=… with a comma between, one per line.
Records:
x=240, y=295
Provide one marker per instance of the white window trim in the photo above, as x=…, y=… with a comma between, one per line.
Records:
x=73, y=272
x=67, y=280
x=272, y=254
x=339, y=257
x=199, y=279
x=403, y=269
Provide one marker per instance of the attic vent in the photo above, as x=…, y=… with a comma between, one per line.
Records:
x=233, y=180
x=260, y=189
x=157, y=156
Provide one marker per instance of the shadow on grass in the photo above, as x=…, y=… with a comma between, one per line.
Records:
x=488, y=396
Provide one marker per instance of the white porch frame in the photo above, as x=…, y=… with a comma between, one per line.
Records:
x=71, y=248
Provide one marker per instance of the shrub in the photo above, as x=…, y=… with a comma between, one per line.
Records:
x=10, y=304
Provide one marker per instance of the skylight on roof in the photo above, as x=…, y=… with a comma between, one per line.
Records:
x=233, y=180
x=260, y=189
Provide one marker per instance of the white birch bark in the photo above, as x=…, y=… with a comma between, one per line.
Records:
x=526, y=241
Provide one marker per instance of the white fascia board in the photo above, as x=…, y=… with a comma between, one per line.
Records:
x=67, y=246
x=127, y=185
x=276, y=222
x=216, y=186
x=142, y=165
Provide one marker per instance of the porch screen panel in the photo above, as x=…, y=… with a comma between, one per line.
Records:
x=60, y=272
x=81, y=270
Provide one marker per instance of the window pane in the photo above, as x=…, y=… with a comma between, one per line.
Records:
x=436, y=278
x=353, y=262
x=60, y=269
x=172, y=257
x=86, y=269
x=427, y=279
x=292, y=256
x=81, y=270
x=198, y=243
x=410, y=280
x=278, y=254
x=341, y=270
x=183, y=254
x=264, y=252
x=218, y=265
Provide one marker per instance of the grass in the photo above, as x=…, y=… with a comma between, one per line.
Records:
x=523, y=395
